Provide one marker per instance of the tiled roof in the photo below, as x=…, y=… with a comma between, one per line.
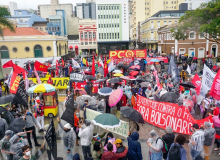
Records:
x=23, y=31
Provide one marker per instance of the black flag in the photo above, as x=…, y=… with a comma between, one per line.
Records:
x=52, y=139
x=21, y=94
x=68, y=114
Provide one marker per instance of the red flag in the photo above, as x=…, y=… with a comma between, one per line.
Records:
x=87, y=64
x=8, y=64
x=71, y=69
x=215, y=90
x=57, y=64
x=40, y=67
x=93, y=66
x=63, y=62
x=105, y=68
x=15, y=80
x=197, y=82
x=157, y=79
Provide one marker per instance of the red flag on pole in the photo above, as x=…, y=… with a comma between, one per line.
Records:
x=157, y=79
x=63, y=62
x=215, y=90
x=71, y=69
x=105, y=68
x=197, y=82
x=57, y=64
x=93, y=66
x=8, y=64
x=40, y=67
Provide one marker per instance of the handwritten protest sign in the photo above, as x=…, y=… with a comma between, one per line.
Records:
x=207, y=80
x=168, y=114
x=123, y=130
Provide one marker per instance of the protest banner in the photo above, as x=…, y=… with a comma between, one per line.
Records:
x=123, y=130
x=127, y=56
x=21, y=93
x=52, y=139
x=207, y=80
x=83, y=84
x=160, y=58
x=162, y=114
x=215, y=90
x=76, y=77
x=60, y=83
x=15, y=80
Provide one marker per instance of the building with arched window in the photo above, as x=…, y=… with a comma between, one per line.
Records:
x=31, y=44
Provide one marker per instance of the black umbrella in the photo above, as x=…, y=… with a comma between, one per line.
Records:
x=140, y=79
x=164, y=70
x=101, y=71
x=51, y=68
x=126, y=66
x=60, y=66
x=132, y=114
x=17, y=125
x=39, y=72
x=120, y=65
x=83, y=67
x=169, y=96
x=115, y=80
x=2, y=109
x=100, y=80
x=90, y=77
x=6, y=99
x=188, y=84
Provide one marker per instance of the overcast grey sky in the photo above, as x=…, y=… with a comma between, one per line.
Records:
x=22, y=4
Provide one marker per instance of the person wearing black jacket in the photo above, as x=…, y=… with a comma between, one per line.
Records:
x=120, y=148
x=169, y=139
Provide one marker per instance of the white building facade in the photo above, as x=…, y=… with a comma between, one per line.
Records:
x=193, y=4
x=13, y=6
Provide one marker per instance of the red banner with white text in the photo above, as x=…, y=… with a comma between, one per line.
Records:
x=162, y=114
x=215, y=91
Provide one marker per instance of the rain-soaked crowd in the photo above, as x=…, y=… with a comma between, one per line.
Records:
x=105, y=146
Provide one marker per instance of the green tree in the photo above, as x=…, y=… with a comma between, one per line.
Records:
x=205, y=19
x=4, y=22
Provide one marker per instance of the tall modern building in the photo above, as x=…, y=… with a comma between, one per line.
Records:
x=154, y=6
x=85, y=10
x=138, y=15
x=112, y=25
x=193, y=4
x=13, y=6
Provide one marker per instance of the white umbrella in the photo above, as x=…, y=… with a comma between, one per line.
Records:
x=117, y=71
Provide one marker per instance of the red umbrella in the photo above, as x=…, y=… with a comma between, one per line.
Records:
x=82, y=92
x=195, y=58
x=135, y=67
x=88, y=73
x=134, y=73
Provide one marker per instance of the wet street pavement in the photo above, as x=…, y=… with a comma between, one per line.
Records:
x=144, y=135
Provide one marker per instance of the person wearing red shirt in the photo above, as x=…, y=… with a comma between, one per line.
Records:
x=76, y=126
x=124, y=99
x=50, y=81
x=111, y=155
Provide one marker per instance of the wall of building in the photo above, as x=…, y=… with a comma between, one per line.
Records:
x=13, y=6
x=64, y=47
x=73, y=26
x=41, y=27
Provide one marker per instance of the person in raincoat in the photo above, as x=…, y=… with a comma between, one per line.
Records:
x=8, y=116
x=3, y=126
x=134, y=147
x=17, y=142
x=156, y=145
x=69, y=138
x=5, y=145
x=209, y=135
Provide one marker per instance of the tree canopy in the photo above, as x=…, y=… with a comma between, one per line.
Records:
x=205, y=19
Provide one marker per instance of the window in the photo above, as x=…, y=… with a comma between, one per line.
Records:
x=94, y=35
x=112, y=35
x=115, y=35
x=53, y=29
x=115, y=25
x=114, y=7
x=170, y=22
x=202, y=35
x=115, y=17
x=86, y=43
x=99, y=35
x=118, y=24
x=27, y=49
x=85, y=35
x=38, y=52
x=101, y=16
x=158, y=24
x=94, y=43
x=58, y=28
x=117, y=7
x=104, y=35
x=107, y=35
x=36, y=27
x=106, y=16
x=103, y=7
x=90, y=35
x=45, y=28
x=104, y=25
x=112, y=16
x=81, y=35
x=14, y=49
x=174, y=7
x=82, y=43
x=99, y=25
x=4, y=52
x=118, y=15
x=49, y=29
x=98, y=16
x=165, y=23
x=48, y=48
x=192, y=35
x=90, y=43
x=152, y=35
x=175, y=21
x=118, y=35
x=109, y=7
x=107, y=25
x=166, y=2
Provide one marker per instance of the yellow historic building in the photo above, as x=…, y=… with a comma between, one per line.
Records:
x=149, y=27
x=31, y=44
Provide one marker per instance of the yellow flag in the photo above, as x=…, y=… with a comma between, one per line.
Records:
x=84, y=61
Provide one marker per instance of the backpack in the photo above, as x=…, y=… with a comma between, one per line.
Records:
x=165, y=148
x=175, y=153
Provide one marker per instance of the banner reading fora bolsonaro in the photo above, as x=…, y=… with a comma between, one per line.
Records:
x=163, y=114
x=127, y=56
